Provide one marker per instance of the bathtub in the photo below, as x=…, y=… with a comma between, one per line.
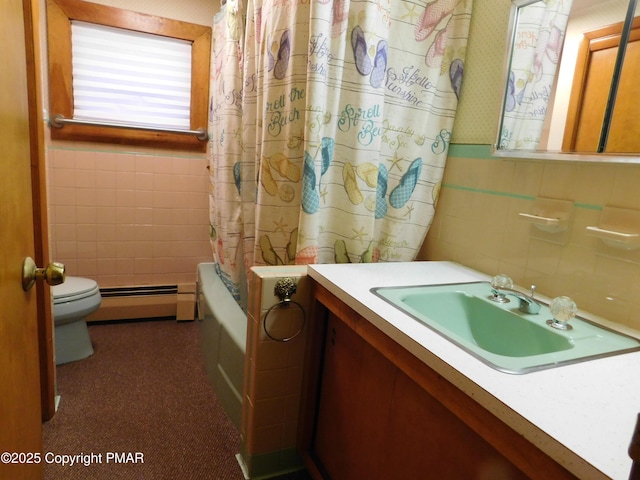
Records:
x=223, y=335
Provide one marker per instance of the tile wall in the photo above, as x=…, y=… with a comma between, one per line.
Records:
x=128, y=216
x=273, y=373
x=477, y=223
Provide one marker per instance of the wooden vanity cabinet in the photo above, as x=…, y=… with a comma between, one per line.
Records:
x=355, y=403
x=371, y=410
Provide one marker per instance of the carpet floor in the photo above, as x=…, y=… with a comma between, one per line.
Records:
x=144, y=398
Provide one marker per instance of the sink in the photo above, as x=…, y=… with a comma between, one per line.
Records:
x=499, y=334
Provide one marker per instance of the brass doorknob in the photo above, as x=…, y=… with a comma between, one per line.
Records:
x=53, y=274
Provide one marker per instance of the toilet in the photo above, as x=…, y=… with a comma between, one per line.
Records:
x=73, y=300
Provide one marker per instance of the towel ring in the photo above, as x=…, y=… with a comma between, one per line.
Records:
x=284, y=289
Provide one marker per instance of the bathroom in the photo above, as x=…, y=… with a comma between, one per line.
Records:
x=135, y=244
x=132, y=245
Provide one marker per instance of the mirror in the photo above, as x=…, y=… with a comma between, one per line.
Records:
x=567, y=90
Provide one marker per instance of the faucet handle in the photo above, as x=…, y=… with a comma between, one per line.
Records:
x=501, y=281
x=563, y=309
x=497, y=283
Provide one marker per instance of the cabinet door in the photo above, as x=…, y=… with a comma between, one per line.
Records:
x=384, y=415
x=426, y=440
x=355, y=397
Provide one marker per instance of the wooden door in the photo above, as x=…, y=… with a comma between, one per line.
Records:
x=20, y=401
x=624, y=135
x=590, y=92
x=595, y=94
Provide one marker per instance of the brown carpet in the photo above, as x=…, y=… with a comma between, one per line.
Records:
x=144, y=390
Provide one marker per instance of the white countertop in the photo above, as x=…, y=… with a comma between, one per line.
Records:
x=581, y=415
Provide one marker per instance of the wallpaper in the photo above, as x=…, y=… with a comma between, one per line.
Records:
x=477, y=116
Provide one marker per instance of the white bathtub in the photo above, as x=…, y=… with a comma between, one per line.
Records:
x=223, y=336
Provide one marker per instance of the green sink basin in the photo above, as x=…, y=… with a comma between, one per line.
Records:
x=499, y=334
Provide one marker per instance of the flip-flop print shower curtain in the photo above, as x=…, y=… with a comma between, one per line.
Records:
x=330, y=124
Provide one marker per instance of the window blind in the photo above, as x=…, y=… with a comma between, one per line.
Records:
x=121, y=76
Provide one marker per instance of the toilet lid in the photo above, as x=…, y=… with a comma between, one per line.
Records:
x=74, y=288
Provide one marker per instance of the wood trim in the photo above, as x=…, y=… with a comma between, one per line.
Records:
x=59, y=53
x=311, y=378
x=615, y=29
x=126, y=136
x=59, y=15
x=141, y=22
x=575, y=98
x=522, y=453
x=40, y=220
x=200, y=74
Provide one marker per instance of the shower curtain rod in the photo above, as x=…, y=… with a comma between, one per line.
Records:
x=59, y=121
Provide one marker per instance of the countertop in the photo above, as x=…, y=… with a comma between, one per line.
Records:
x=581, y=415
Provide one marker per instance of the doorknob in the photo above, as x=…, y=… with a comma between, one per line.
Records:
x=53, y=274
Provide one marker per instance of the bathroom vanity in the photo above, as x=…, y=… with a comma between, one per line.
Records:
x=387, y=397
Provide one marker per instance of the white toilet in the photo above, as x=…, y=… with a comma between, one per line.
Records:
x=73, y=300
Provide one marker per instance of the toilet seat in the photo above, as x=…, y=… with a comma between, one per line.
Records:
x=74, y=289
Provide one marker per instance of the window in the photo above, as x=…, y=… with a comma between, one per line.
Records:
x=176, y=94
x=114, y=81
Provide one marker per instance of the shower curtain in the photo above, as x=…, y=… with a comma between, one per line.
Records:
x=330, y=122
x=536, y=51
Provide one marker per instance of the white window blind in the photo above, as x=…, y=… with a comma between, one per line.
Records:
x=126, y=77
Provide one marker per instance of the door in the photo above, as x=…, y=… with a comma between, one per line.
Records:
x=590, y=93
x=624, y=134
x=20, y=407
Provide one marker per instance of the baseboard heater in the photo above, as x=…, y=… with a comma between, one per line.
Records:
x=144, y=302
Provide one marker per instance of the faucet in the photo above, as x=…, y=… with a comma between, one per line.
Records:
x=527, y=303
x=503, y=285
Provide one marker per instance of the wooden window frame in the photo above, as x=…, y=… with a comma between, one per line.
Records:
x=60, y=13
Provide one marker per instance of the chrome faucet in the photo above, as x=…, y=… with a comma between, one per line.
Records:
x=503, y=286
x=527, y=303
